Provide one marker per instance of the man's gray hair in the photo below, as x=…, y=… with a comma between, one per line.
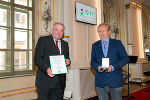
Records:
x=105, y=24
x=59, y=24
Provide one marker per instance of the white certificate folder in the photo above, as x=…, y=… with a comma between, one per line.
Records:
x=58, y=64
x=105, y=62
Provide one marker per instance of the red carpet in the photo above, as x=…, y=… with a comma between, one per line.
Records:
x=143, y=94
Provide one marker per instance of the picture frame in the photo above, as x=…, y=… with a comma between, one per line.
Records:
x=45, y=16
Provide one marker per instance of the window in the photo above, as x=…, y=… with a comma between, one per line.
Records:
x=16, y=37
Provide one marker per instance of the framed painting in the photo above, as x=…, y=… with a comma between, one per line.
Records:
x=45, y=16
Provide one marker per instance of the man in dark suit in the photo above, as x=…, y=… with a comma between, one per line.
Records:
x=108, y=79
x=49, y=86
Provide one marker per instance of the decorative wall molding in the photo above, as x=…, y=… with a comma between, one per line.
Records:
x=46, y=16
x=112, y=16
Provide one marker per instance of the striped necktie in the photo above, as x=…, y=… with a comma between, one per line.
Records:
x=58, y=51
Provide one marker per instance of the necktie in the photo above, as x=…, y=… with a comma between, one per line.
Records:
x=105, y=48
x=58, y=51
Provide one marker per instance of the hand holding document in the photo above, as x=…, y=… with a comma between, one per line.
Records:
x=58, y=64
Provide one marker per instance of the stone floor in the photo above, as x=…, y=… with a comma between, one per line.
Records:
x=133, y=88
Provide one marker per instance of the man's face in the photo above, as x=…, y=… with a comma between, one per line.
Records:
x=58, y=31
x=103, y=32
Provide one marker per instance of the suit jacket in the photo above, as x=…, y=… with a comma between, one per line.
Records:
x=117, y=58
x=46, y=47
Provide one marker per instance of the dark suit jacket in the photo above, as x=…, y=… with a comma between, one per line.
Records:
x=117, y=58
x=45, y=48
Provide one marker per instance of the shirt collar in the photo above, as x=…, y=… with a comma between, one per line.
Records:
x=55, y=40
x=106, y=40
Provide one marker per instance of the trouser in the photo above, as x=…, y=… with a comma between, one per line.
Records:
x=51, y=94
x=115, y=93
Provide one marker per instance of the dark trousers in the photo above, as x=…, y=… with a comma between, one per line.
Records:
x=51, y=94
